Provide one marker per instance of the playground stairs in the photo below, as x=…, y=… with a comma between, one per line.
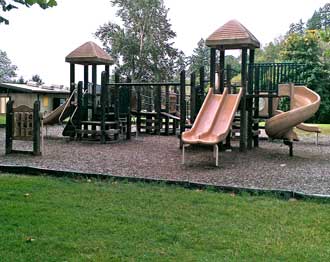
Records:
x=92, y=129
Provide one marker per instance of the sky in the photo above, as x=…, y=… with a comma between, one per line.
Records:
x=37, y=40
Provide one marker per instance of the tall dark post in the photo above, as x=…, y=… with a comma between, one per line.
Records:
x=221, y=71
x=85, y=117
x=72, y=77
x=250, y=100
x=94, y=81
x=243, y=121
x=193, y=97
x=182, y=104
x=201, y=88
x=158, y=108
x=9, y=126
x=129, y=118
x=36, y=128
x=79, y=107
x=104, y=80
x=138, y=109
x=116, y=95
x=167, y=109
x=228, y=78
x=256, y=106
x=212, y=68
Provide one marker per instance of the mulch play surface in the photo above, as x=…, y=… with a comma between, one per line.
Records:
x=266, y=167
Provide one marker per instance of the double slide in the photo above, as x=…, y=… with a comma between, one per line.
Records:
x=213, y=121
x=304, y=104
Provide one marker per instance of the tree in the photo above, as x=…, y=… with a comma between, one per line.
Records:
x=37, y=79
x=271, y=52
x=143, y=46
x=21, y=80
x=297, y=28
x=320, y=19
x=7, y=70
x=306, y=49
x=200, y=57
x=8, y=5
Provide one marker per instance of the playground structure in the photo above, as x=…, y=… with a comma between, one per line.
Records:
x=259, y=84
x=24, y=124
x=108, y=112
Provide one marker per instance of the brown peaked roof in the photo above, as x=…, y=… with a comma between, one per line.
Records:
x=89, y=53
x=232, y=35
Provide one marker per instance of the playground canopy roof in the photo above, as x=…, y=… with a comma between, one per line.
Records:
x=89, y=54
x=232, y=35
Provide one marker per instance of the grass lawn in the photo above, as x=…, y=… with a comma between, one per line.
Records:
x=49, y=219
x=2, y=119
x=325, y=128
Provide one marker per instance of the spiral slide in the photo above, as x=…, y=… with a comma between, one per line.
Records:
x=213, y=121
x=304, y=104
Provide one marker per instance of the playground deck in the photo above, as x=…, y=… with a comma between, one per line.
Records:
x=267, y=167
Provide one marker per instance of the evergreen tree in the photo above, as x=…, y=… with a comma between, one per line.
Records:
x=200, y=57
x=320, y=19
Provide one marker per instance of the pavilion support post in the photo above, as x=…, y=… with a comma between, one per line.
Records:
x=79, y=107
x=36, y=129
x=250, y=100
x=200, y=93
x=129, y=117
x=256, y=106
x=94, y=81
x=158, y=108
x=85, y=107
x=222, y=71
x=9, y=126
x=182, y=105
x=228, y=78
x=193, y=97
x=103, y=102
x=212, y=68
x=72, y=77
x=116, y=96
x=243, y=120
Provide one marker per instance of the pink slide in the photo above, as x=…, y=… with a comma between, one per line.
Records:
x=214, y=120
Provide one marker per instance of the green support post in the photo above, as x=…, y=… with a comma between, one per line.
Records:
x=193, y=97
x=221, y=71
x=212, y=68
x=79, y=105
x=167, y=109
x=85, y=107
x=104, y=96
x=243, y=119
x=182, y=104
x=9, y=126
x=116, y=97
x=256, y=106
x=129, y=117
x=36, y=129
x=201, y=89
x=158, y=107
x=72, y=77
x=250, y=100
